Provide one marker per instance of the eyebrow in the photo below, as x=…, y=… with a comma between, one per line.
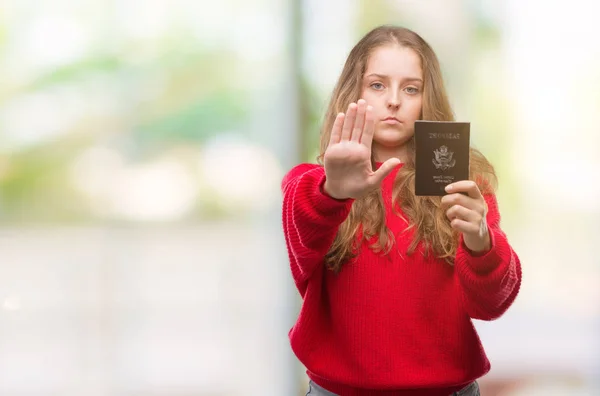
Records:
x=383, y=77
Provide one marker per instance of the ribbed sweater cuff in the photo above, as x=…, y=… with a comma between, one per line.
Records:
x=490, y=265
x=312, y=183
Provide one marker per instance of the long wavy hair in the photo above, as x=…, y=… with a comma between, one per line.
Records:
x=423, y=214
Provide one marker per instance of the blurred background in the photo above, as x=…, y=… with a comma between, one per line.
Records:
x=142, y=146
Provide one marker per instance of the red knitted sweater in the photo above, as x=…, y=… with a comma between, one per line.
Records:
x=389, y=324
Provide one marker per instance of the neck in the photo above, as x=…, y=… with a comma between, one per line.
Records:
x=382, y=154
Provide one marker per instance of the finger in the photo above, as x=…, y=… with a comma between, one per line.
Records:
x=450, y=200
x=336, y=130
x=349, y=122
x=385, y=170
x=462, y=213
x=360, y=120
x=369, y=129
x=464, y=226
x=466, y=186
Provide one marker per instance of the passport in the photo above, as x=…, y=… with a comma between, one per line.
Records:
x=441, y=155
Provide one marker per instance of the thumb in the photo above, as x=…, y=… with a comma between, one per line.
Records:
x=385, y=169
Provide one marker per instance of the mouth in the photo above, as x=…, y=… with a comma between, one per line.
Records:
x=391, y=120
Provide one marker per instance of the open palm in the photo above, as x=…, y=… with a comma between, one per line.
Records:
x=347, y=160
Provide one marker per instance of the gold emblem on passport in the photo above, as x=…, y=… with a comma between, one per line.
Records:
x=443, y=158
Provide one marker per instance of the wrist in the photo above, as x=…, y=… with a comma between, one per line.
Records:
x=478, y=244
x=326, y=189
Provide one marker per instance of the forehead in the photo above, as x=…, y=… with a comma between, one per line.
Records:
x=395, y=61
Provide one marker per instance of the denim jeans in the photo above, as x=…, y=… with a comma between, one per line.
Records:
x=470, y=390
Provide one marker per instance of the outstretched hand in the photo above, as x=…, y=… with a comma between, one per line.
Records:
x=347, y=160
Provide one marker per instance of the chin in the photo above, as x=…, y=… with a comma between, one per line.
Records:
x=391, y=138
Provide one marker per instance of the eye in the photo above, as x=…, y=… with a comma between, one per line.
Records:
x=377, y=86
x=412, y=90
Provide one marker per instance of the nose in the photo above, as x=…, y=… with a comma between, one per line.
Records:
x=393, y=101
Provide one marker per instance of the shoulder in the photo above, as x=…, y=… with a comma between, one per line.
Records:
x=300, y=170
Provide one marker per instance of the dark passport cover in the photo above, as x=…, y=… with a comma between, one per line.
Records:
x=441, y=155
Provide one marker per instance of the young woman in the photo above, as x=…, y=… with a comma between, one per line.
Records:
x=391, y=281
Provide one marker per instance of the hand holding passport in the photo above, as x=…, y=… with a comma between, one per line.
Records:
x=441, y=155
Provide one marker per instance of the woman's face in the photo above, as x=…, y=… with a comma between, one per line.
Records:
x=393, y=85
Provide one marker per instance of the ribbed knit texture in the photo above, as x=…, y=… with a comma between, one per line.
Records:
x=389, y=324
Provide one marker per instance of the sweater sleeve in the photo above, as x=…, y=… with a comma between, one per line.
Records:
x=489, y=283
x=310, y=218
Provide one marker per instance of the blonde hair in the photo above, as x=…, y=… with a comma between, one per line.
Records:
x=424, y=214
